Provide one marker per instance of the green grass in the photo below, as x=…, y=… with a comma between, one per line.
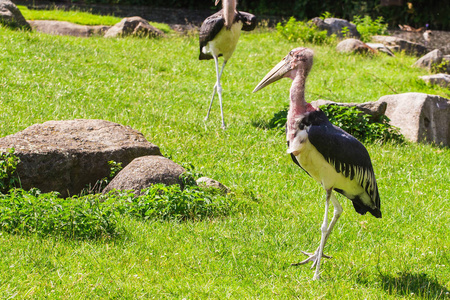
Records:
x=78, y=17
x=161, y=89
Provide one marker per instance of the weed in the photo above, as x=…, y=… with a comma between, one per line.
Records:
x=8, y=165
x=298, y=31
x=361, y=126
x=368, y=27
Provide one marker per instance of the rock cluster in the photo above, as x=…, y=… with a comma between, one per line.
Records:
x=11, y=15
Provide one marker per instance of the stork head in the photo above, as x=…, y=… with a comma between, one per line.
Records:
x=298, y=60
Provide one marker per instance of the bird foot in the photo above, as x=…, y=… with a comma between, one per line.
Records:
x=311, y=257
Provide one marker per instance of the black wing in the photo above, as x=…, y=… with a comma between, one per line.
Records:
x=248, y=20
x=208, y=31
x=348, y=156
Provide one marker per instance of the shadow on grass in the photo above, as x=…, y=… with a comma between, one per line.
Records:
x=414, y=285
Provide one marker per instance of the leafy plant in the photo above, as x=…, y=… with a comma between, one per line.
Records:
x=345, y=31
x=361, y=126
x=298, y=31
x=48, y=214
x=368, y=27
x=96, y=216
x=173, y=203
x=326, y=15
x=8, y=165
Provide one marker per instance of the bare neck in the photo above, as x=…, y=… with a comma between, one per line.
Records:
x=298, y=105
x=229, y=8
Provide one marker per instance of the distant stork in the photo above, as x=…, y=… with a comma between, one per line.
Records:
x=219, y=35
x=334, y=158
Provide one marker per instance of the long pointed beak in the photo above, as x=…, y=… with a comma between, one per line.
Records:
x=276, y=73
x=217, y=2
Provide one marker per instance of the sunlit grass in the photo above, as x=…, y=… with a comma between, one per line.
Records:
x=161, y=89
x=77, y=17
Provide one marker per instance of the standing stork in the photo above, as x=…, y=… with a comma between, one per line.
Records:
x=334, y=158
x=219, y=35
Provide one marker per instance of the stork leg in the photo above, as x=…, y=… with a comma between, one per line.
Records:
x=218, y=89
x=316, y=256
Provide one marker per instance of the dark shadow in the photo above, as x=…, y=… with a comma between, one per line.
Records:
x=414, y=285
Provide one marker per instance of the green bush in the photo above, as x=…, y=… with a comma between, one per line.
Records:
x=173, y=203
x=97, y=216
x=368, y=27
x=298, y=31
x=361, y=126
x=8, y=165
x=47, y=214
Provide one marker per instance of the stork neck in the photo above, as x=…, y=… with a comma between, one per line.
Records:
x=298, y=105
x=229, y=8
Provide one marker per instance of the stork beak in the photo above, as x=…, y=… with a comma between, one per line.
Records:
x=276, y=73
x=217, y=2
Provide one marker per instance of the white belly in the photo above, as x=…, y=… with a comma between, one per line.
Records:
x=225, y=41
x=321, y=170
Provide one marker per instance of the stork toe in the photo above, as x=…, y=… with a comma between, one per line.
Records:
x=311, y=257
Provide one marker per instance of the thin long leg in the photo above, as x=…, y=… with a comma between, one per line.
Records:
x=324, y=236
x=316, y=256
x=219, y=91
x=216, y=61
x=337, y=213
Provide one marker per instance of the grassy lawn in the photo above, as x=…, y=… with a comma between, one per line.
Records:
x=161, y=89
x=77, y=17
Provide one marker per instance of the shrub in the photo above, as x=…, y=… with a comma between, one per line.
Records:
x=47, y=214
x=8, y=165
x=361, y=126
x=297, y=31
x=97, y=216
x=368, y=27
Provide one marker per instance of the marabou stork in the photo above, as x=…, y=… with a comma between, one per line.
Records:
x=219, y=35
x=334, y=158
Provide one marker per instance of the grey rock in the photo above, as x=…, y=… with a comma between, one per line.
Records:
x=11, y=15
x=335, y=26
x=420, y=117
x=67, y=156
x=208, y=182
x=145, y=171
x=67, y=28
x=353, y=46
x=135, y=26
x=440, y=79
x=380, y=48
x=374, y=109
x=398, y=44
x=429, y=60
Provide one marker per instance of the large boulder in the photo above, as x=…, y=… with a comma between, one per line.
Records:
x=336, y=26
x=11, y=15
x=67, y=156
x=67, y=28
x=135, y=26
x=398, y=44
x=420, y=117
x=437, y=79
x=145, y=171
x=430, y=60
